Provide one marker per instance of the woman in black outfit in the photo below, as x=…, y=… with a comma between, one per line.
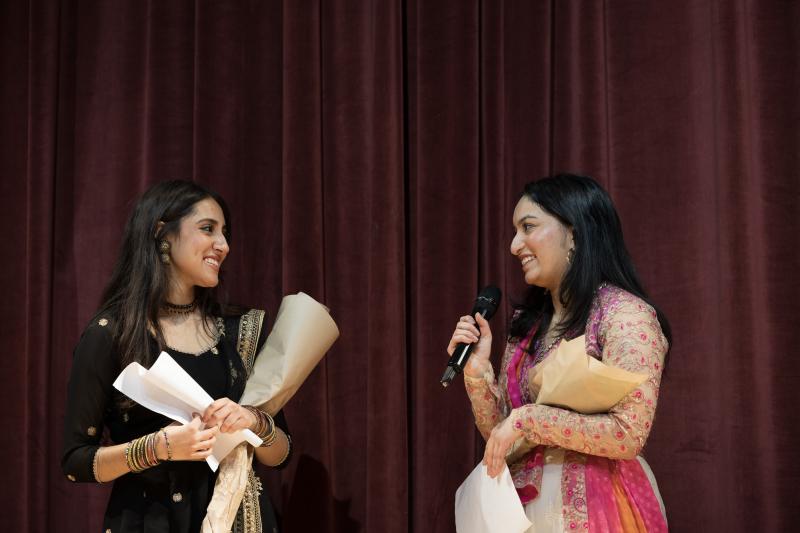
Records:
x=161, y=297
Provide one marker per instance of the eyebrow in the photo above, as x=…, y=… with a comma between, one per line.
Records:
x=522, y=219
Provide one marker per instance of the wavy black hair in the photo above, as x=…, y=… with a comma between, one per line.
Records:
x=600, y=256
x=139, y=282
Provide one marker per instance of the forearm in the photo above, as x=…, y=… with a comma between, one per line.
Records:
x=485, y=400
x=277, y=444
x=276, y=454
x=112, y=462
x=612, y=435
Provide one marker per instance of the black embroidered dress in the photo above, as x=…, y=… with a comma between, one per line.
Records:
x=172, y=496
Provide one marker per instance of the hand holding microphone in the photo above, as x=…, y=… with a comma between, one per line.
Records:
x=472, y=339
x=473, y=330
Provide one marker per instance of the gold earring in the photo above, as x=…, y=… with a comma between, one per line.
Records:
x=570, y=255
x=163, y=248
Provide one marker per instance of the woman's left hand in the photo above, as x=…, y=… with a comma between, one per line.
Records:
x=500, y=441
x=228, y=415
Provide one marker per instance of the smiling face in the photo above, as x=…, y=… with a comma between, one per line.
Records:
x=541, y=243
x=199, y=248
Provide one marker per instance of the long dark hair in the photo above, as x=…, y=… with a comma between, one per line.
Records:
x=600, y=256
x=139, y=282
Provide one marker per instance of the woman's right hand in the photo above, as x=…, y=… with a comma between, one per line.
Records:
x=476, y=331
x=188, y=442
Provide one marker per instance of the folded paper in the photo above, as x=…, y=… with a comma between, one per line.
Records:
x=166, y=388
x=486, y=505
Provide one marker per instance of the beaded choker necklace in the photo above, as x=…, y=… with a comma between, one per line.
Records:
x=184, y=309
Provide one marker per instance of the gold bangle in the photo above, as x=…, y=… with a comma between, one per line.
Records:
x=272, y=434
x=288, y=450
x=140, y=454
x=152, y=456
x=265, y=425
x=129, y=456
x=94, y=465
x=136, y=460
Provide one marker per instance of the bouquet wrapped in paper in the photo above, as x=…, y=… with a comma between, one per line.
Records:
x=303, y=332
x=572, y=379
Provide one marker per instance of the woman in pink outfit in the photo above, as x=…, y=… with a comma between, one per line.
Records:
x=575, y=472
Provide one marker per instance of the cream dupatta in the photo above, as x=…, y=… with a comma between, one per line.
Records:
x=236, y=490
x=302, y=334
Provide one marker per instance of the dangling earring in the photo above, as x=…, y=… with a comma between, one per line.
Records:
x=163, y=248
x=570, y=255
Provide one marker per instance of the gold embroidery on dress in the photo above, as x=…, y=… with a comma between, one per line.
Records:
x=248, y=517
x=249, y=330
x=573, y=492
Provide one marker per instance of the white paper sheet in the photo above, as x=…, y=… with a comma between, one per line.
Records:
x=486, y=505
x=168, y=390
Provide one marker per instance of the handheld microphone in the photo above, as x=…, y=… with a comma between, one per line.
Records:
x=486, y=304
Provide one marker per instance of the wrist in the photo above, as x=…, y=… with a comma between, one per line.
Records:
x=515, y=422
x=163, y=451
x=253, y=418
x=142, y=453
x=477, y=370
x=264, y=427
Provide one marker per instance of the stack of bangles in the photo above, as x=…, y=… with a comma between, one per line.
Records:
x=265, y=426
x=140, y=454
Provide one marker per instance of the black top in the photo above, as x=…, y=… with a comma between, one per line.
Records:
x=172, y=496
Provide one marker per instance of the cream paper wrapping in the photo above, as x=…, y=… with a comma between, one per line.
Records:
x=303, y=332
x=568, y=378
x=572, y=379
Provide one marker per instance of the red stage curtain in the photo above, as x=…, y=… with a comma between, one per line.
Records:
x=372, y=153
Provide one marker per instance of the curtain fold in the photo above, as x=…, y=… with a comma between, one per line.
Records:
x=372, y=153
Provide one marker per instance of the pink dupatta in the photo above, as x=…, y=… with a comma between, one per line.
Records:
x=619, y=497
x=527, y=476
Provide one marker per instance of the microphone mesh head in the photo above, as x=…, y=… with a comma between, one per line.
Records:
x=487, y=301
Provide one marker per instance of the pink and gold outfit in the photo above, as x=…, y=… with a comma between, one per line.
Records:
x=583, y=472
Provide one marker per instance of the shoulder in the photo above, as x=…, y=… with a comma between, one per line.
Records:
x=95, y=346
x=619, y=314
x=99, y=329
x=611, y=301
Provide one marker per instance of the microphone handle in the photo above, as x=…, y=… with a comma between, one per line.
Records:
x=459, y=359
x=460, y=356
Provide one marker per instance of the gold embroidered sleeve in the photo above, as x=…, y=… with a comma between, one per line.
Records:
x=485, y=399
x=632, y=339
x=486, y=394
